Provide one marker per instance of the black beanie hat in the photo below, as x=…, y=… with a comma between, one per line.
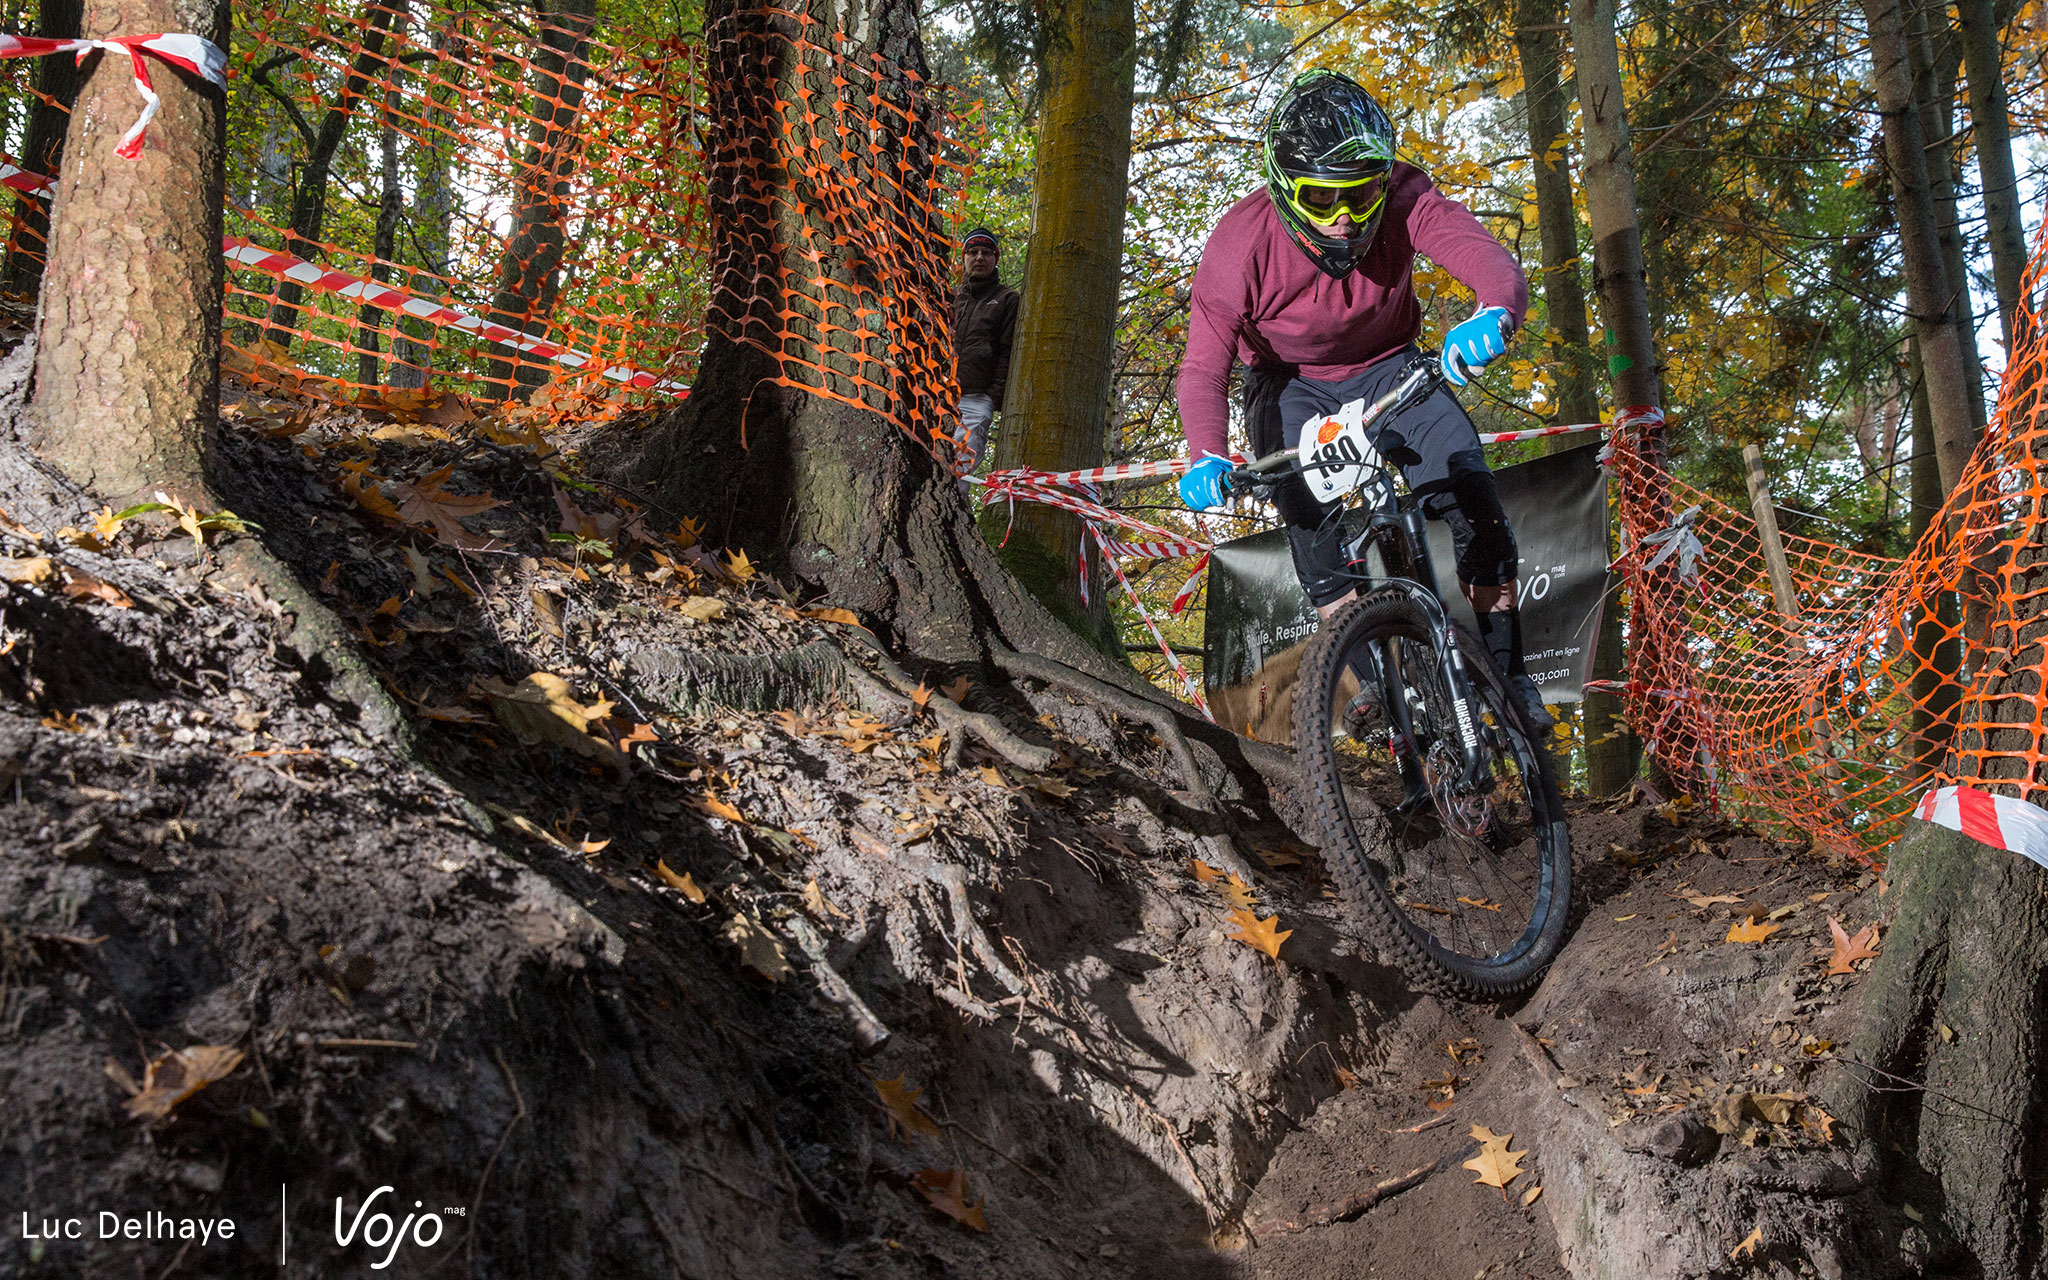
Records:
x=981, y=235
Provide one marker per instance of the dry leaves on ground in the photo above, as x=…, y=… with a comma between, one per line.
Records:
x=1747, y=1249
x=1848, y=949
x=1260, y=935
x=1748, y=930
x=175, y=1076
x=683, y=884
x=1495, y=1164
x=946, y=1190
x=541, y=709
x=760, y=950
x=904, y=1117
x=423, y=503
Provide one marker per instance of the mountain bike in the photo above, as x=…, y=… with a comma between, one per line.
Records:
x=1466, y=877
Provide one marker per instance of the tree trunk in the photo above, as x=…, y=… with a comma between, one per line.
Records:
x=1991, y=132
x=1625, y=305
x=1937, y=53
x=128, y=339
x=432, y=207
x=1056, y=412
x=42, y=151
x=309, y=195
x=529, y=272
x=1928, y=293
x=1610, y=755
x=390, y=209
x=1936, y=652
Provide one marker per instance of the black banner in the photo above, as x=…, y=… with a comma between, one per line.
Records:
x=1558, y=506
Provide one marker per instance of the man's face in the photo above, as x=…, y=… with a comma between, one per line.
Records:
x=980, y=261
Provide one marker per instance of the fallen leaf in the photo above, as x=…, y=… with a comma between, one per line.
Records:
x=1529, y=1197
x=702, y=608
x=30, y=570
x=85, y=539
x=717, y=808
x=818, y=904
x=823, y=615
x=587, y=847
x=1710, y=900
x=1236, y=891
x=422, y=503
x=641, y=733
x=547, y=611
x=957, y=690
x=390, y=608
x=904, y=1117
x=80, y=585
x=1260, y=935
x=1050, y=786
x=1204, y=873
x=63, y=720
x=922, y=694
x=1626, y=857
x=424, y=583
x=1480, y=1133
x=1748, y=930
x=1848, y=950
x=175, y=1076
x=541, y=709
x=1747, y=1249
x=741, y=568
x=947, y=1192
x=760, y=950
x=681, y=883
x=993, y=776
x=1495, y=1164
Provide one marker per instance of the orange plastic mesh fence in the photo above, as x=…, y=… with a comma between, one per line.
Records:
x=534, y=177
x=1895, y=675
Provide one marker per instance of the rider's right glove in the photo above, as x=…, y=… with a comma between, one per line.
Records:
x=1473, y=344
x=1201, y=487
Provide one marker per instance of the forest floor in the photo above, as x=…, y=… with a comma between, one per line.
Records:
x=668, y=941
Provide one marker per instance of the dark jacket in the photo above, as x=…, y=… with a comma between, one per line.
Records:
x=984, y=327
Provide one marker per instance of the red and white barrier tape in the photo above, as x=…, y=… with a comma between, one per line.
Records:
x=1539, y=433
x=29, y=184
x=200, y=56
x=2003, y=822
x=286, y=267
x=1189, y=685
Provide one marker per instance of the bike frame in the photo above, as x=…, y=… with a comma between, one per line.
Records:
x=1401, y=534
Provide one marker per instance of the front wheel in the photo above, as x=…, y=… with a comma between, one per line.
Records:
x=1470, y=889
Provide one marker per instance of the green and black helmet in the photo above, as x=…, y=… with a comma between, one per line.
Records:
x=1329, y=150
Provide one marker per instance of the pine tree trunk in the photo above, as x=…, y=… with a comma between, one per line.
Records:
x=128, y=340
x=1991, y=133
x=1936, y=654
x=1928, y=292
x=529, y=272
x=42, y=151
x=1937, y=53
x=1056, y=411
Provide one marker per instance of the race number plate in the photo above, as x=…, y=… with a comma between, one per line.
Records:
x=1335, y=455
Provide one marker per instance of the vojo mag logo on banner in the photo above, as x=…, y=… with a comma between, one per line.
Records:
x=382, y=1228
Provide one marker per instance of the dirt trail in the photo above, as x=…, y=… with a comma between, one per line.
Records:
x=608, y=1002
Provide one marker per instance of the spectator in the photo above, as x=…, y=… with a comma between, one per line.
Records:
x=984, y=327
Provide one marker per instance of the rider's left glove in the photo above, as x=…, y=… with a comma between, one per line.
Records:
x=1201, y=487
x=1474, y=344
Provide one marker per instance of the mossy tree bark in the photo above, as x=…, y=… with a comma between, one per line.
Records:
x=1056, y=411
x=128, y=341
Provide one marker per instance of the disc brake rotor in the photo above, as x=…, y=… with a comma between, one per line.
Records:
x=1465, y=812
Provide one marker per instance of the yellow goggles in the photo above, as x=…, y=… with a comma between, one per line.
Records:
x=1323, y=201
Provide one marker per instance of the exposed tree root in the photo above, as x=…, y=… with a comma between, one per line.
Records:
x=1360, y=1203
x=869, y=1031
x=689, y=681
x=953, y=717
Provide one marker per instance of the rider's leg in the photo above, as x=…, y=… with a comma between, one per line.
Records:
x=1487, y=573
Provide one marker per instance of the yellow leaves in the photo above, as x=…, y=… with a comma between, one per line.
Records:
x=817, y=904
x=1495, y=1164
x=683, y=884
x=1747, y=1249
x=28, y=570
x=741, y=568
x=760, y=950
x=1260, y=935
x=702, y=608
x=1848, y=950
x=844, y=616
x=946, y=1191
x=904, y=1117
x=711, y=804
x=175, y=1076
x=1748, y=930
x=540, y=709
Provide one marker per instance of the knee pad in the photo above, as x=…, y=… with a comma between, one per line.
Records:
x=1480, y=534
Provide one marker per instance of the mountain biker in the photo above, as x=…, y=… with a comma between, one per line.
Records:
x=1310, y=284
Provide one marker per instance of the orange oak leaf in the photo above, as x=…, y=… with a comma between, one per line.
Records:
x=717, y=808
x=1748, y=930
x=177, y=1075
x=1495, y=1164
x=1260, y=935
x=1747, y=1249
x=957, y=690
x=823, y=615
x=683, y=884
x=422, y=503
x=947, y=1191
x=1204, y=873
x=901, y=1100
x=1849, y=949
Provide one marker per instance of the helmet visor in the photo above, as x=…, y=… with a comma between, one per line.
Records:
x=1322, y=201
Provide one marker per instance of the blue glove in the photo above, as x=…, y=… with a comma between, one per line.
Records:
x=1201, y=487
x=1472, y=345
